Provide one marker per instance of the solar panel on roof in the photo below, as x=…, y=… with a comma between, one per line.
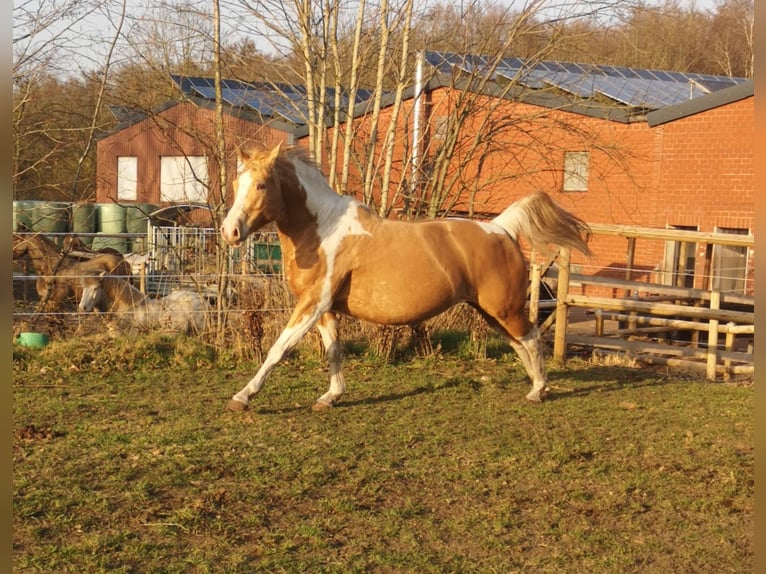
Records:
x=646, y=74
x=715, y=85
x=205, y=91
x=511, y=63
x=574, y=68
x=534, y=79
x=577, y=84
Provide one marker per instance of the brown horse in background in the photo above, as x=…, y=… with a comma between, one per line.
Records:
x=340, y=257
x=180, y=311
x=58, y=272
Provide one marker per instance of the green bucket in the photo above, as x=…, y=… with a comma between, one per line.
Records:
x=33, y=340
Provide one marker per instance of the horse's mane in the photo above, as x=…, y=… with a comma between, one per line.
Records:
x=291, y=153
x=45, y=246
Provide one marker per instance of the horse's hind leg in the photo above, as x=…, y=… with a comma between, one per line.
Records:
x=530, y=350
x=328, y=329
x=524, y=337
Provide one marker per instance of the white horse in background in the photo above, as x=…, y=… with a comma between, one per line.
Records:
x=180, y=311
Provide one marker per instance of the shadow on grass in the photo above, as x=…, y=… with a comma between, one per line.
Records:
x=424, y=389
x=565, y=383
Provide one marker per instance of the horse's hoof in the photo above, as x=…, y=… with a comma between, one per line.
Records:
x=321, y=406
x=237, y=406
x=538, y=396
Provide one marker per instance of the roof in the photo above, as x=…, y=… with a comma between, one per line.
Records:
x=615, y=93
x=623, y=93
x=286, y=102
x=702, y=104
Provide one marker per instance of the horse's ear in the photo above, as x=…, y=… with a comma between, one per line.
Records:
x=243, y=154
x=275, y=152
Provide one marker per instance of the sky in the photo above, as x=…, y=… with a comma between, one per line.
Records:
x=83, y=45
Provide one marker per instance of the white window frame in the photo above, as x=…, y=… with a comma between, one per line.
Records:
x=576, y=170
x=184, y=179
x=127, y=178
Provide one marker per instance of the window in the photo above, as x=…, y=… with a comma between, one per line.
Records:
x=127, y=178
x=576, y=170
x=183, y=178
x=730, y=264
x=680, y=260
x=441, y=127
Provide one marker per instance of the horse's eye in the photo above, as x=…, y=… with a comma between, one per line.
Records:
x=260, y=186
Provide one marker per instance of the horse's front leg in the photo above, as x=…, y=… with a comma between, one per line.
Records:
x=328, y=329
x=303, y=318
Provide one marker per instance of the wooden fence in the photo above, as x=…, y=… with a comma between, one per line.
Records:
x=717, y=327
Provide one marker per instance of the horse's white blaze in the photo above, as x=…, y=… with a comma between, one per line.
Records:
x=235, y=218
x=89, y=298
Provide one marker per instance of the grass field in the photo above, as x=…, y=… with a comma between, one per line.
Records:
x=126, y=460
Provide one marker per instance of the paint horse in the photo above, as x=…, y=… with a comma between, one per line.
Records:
x=58, y=272
x=340, y=257
x=179, y=311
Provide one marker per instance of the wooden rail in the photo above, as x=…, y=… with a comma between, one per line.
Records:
x=648, y=309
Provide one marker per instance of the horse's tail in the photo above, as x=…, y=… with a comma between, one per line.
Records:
x=543, y=223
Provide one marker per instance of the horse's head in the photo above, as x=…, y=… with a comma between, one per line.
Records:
x=258, y=196
x=20, y=246
x=92, y=291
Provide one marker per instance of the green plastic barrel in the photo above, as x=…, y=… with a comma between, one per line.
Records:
x=84, y=221
x=101, y=241
x=52, y=217
x=111, y=218
x=137, y=221
x=136, y=216
x=23, y=213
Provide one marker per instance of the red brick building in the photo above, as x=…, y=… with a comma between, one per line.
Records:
x=610, y=160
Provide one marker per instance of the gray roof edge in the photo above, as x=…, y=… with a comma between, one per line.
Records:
x=701, y=104
x=230, y=110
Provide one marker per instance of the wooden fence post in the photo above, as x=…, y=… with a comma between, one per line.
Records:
x=562, y=292
x=729, y=347
x=712, y=336
x=534, y=293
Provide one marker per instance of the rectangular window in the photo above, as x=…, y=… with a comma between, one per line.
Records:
x=730, y=264
x=680, y=260
x=127, y=178
x=441, y=127
x=576, y=170
x=183, y=179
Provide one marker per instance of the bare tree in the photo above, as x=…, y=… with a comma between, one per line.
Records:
x=48, y=39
